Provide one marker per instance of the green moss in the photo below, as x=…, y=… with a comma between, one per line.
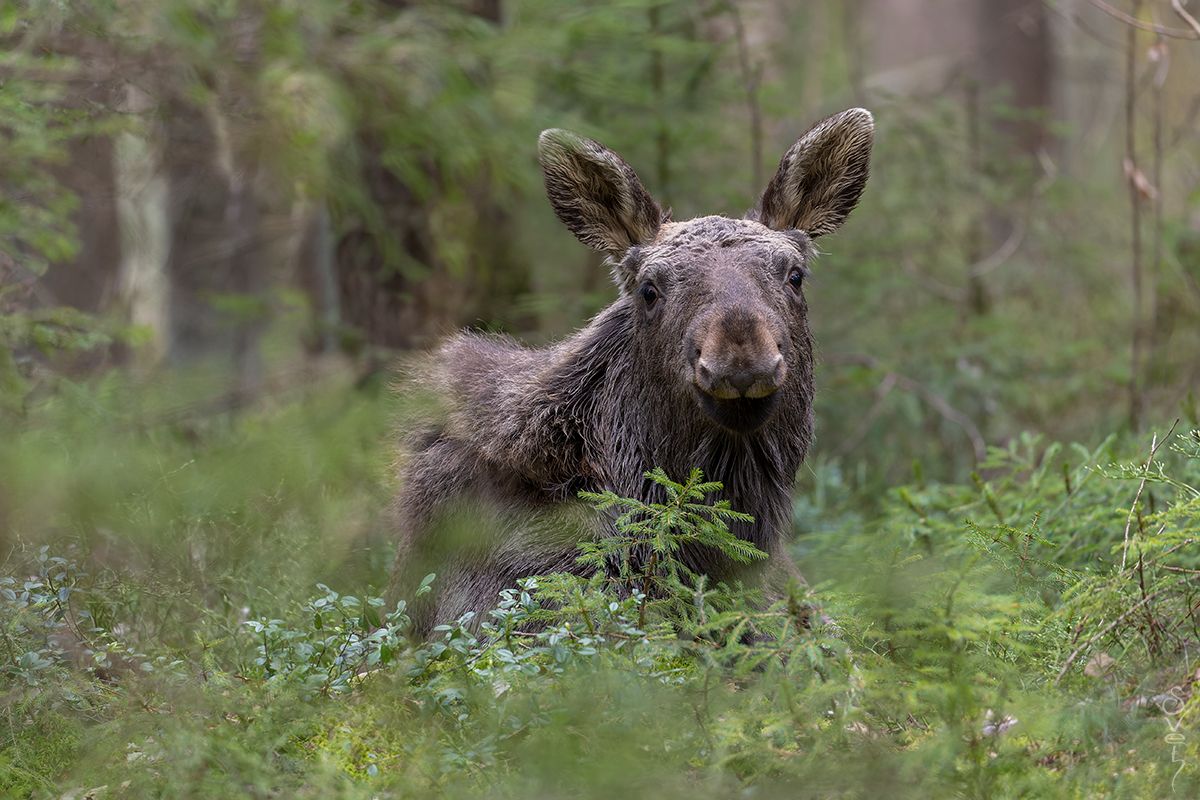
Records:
x=38, y=746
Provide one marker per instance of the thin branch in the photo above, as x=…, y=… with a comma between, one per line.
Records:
x=1135, y=222
x=751, y=81
x=931, y=398
x=1134, y=22
x=851, y=25
x=1076, y=20
x=1153, y=640
x=943, y=290
x=949, y=412
x=1191, y=21
x=997, y=258
x=1162, y=56
x=1108, y=628
x=1002, y=253
x=864, y=426
x=1155, y=443
x=1185, y=128
x=662, y=137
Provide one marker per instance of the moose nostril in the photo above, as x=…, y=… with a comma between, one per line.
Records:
x=742, y=381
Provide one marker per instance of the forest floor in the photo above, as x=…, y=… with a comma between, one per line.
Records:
x=189, y=608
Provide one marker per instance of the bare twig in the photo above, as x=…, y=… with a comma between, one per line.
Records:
x=1002, y=253
x=931, y=398
x=1155, y=443
x=943, y=290
x=1161, y=55
x=989, y=263
x=881, y=393
x=1134, y=22
x=1072, y=16
x=1108, y=628
x=662, y=138
x=1135, y=221
x=1191, y=21
x=978, y=445
x=1186, y=127
x=1152, y=640
x=976, y=293
x=852, y=14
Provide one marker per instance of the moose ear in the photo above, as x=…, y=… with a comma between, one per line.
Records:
x=595, y=193
x=821, y=176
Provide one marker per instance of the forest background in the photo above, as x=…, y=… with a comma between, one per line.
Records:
x=225, y=225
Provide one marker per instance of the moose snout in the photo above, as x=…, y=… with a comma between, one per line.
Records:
x=737, y=378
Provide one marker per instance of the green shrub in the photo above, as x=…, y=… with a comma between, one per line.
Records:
x=988, y=641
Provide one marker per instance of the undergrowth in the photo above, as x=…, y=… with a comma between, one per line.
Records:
x=169, y=628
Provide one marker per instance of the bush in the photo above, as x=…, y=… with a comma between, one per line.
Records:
x=988, y=643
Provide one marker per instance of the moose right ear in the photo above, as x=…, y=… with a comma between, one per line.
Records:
x=821, y=176
x=595, y=193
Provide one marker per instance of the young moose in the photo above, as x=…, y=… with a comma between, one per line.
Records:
x=704, y=360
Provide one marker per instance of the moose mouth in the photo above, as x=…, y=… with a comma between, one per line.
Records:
x=740, y=415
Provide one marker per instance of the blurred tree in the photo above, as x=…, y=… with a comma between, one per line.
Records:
x=45, y=117
x=88, y=280
x=378, y=157
x=1015, y=65
x=404, y=274
x=1011, y=98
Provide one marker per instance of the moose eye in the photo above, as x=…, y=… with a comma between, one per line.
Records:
x=649, y=294
x=795, y=278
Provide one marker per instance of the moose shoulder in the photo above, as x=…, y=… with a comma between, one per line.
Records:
x=704, y=360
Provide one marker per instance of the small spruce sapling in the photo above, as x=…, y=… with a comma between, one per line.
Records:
x=650, y=535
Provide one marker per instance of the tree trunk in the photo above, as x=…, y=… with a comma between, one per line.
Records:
x=219, y=261
x=394, y=287
x=1014, y=70
x=90, y=279
x=198, y=267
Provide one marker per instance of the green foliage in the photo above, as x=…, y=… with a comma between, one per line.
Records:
x=934, y=343
x=348, y=638
x=975, y=652
x=1010, y=622
x=37, y=127
x=35, y=223
x=653, y=533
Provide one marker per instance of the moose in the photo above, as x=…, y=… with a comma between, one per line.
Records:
x=705, y=359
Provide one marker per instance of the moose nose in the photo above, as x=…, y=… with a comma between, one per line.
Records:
x=741, y=380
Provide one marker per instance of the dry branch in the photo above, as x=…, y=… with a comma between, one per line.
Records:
x=1155, y=443
x=931, y=398
x=1191, y=21
x=1108, y=628
x=1175, y=33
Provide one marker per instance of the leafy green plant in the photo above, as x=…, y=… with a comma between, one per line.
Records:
x=213, y=665
x=348, y=639
x=648, y=537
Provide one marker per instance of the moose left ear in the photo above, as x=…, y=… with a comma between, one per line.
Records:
x=595, y=193
x=821, y=176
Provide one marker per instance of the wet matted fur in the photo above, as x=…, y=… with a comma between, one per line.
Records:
x=704, y=360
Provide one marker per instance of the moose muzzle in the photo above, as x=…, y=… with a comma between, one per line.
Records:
x=736, y=378
x=738, y=358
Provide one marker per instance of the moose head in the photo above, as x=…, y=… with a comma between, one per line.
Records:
x=720, y=305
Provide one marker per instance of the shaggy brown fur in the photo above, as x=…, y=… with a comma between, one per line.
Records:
x=704, y=360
